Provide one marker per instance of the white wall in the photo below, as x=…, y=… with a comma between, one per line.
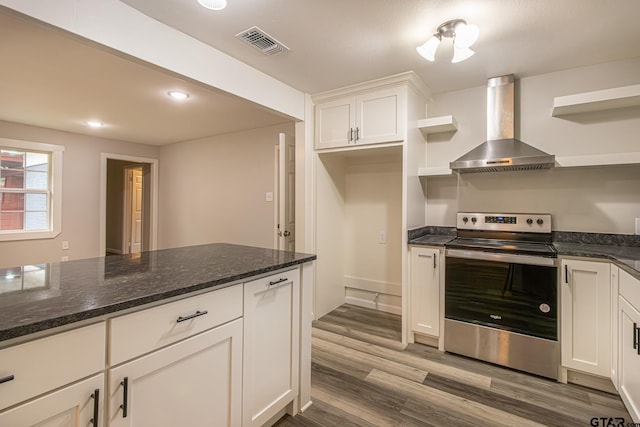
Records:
x=213, y=189
x=600, y=199
x=80, y=194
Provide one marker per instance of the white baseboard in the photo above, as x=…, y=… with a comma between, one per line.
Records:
x=369, y=285
x=372, y=304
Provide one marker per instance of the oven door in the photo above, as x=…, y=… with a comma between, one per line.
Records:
x=515, y=293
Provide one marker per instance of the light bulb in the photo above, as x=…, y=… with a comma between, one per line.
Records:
x=178, y=95
x=213, y=4
x=461, y=53
x=428, y=50
x=94, y=123
x=466, y=35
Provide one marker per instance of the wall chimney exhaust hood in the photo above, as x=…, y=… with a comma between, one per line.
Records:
x=501, y=151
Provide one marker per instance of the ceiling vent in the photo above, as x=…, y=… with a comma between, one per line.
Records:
x=261, y=41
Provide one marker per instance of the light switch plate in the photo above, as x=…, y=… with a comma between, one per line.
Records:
x=268, y=197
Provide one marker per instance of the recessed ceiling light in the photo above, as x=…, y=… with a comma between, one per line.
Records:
x=94, y=123
x=213, y=4
x=176, y=94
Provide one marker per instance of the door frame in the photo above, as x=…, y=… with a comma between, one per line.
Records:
x=153, y=198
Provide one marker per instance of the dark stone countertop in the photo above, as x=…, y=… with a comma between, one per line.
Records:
x=623, y=250
x=36, y=298
x=431, y=240
x=625, y=257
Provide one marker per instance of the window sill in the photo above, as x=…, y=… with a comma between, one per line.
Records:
x=28, y=235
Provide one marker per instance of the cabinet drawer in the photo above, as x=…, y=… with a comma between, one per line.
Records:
x=47, y=363
x=141, y=332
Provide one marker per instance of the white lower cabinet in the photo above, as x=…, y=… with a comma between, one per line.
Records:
x=586, y=316
x=196, y=382
x=271, y=336
x=425, y=290
x=77, y=405
x=629, y=344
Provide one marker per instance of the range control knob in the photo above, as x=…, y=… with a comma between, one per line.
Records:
x=539, y=221
x=473, y=219
x=465, y=219
x=529, y=221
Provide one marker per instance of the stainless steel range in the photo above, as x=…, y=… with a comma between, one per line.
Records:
x=501, y=291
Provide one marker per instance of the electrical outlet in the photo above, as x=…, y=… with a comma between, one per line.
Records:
x=65, y=245
x=637, y=225
x=382, y=237
x=64, y=259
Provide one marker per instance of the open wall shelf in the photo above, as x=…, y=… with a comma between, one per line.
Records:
x=601, y=100
x=438, y=125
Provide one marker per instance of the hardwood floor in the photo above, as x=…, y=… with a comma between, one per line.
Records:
x=362, y=376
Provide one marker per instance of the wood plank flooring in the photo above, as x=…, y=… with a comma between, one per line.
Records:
x=361, y=375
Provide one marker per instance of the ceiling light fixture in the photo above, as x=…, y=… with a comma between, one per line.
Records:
x=94, y=123
x=213, y=4
x=178, y=95
x=464, y=35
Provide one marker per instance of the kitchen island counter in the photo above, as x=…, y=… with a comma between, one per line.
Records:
x=39, y=297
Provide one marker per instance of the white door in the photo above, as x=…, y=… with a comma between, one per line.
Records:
x=425, y=291
x=286, y=193
x=196, y=382
x=72, y=406
x=271, y=337
x=133, y=206
x=586, y=316
x=629, y=357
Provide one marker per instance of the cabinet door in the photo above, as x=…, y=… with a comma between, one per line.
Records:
x=629, y=357
x=271, y=325
x=71, y=406
x=335, y=123
x=586, y=316
x=380, y=116
x=196, y=382
x=425, y=291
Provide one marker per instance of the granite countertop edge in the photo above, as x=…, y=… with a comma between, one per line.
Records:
x=56, y=320
x=579, y=245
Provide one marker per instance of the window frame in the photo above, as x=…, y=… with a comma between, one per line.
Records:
x=55, y=181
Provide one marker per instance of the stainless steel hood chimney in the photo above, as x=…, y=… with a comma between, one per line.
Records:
x=501, y=151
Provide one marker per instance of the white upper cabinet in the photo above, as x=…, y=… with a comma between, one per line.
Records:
x=369, y=117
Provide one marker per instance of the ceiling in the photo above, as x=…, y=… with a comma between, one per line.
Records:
x=335, y=43
x=52, y=79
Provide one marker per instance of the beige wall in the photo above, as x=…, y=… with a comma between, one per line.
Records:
x=373, y=204
x=213, y=189
x=600, y=199
x=80, y=194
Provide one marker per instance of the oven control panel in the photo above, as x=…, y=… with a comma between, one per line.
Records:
x=517, y=222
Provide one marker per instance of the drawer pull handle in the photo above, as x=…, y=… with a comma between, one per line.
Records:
x=125, y=395
x=275, y=282
x=636, y=337
x=96, y=400
x=191, y=316
x=11, y=378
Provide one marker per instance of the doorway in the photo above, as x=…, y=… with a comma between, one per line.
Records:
x=129, y=211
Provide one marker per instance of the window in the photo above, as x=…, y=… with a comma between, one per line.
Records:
x=30, y=190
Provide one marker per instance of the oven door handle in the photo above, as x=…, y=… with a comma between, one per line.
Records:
x=510, y=258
